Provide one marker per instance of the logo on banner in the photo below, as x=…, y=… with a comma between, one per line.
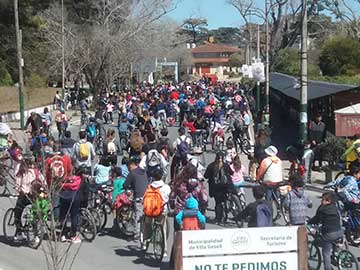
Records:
x=240, y=241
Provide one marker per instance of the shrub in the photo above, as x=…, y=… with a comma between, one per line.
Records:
x=332, y=149
x=35, y=81
x=5, y=77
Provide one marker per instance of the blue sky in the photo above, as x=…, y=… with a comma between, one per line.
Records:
x=218, y=12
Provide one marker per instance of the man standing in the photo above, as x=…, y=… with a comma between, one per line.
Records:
x=84, y=152
x=317, y=135
x=137, y=181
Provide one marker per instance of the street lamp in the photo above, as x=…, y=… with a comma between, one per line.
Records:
x=267, y=66
x=304, y=79
x=63, y=48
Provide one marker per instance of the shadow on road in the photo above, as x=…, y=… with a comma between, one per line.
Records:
x=142, y=257
x=10, y=242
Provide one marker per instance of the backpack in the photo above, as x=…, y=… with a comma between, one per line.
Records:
x=72, y=183
x=84, y=151
x=121, y=199
x=190, y=220
x=153, y=161
x=221, y=178
x=183, y=149
x=123, y=127
x=263, y=215
x=91, y=131
x=57, y=168
x=153, y=202
x=238, y=124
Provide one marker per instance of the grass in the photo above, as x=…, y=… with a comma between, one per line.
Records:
x=33, y=97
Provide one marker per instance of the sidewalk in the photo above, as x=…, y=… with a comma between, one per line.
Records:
x=22, y=138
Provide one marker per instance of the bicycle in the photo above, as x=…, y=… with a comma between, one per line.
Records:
x=341, y=257
x=125, y=216
x=233, y=204
x=32, y=227
x=277, y=202
x=156, y=238
x=241, y=143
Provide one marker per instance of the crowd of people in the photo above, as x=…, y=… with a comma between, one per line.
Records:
x=164, y=174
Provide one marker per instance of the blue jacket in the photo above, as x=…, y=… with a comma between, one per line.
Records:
x=349, y=187
x=191, y=204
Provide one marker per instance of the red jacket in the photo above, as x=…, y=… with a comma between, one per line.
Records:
x=174, y=95
x=66, y=160
x=190, y=126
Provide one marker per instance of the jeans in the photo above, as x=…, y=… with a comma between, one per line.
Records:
x=139, y=212
x=326, y=241
x=70, y=202
x=219, y=209
x=269, y=192
x=21, y=203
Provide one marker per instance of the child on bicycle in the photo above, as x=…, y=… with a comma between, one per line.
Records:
x=118, y=191
x=327, y=215
x=155, y=199
x=26, y=175
x=296, y=201
x=259, y=213
x=230, y=152
x=237, y=173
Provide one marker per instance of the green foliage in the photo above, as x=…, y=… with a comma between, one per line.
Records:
x=340, y=56
x=332, y=150
x=5, y=77
x=287, y=61
x=236, y=60
x=352, y=80
x=35, y=81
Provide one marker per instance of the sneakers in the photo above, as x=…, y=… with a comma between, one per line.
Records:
x=63, y=239
x=36, y=240
x=75, y=240
x=18, y=237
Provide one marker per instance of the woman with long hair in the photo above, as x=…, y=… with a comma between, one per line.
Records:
x=217, y=174
x=25, y=176
x=110, y=147
x=136, y=144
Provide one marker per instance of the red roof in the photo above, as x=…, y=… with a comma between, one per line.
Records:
x=214, y=48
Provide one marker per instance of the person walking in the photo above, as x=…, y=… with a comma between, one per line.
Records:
x=317, y=135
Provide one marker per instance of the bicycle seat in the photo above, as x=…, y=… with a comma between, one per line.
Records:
x=339, y=243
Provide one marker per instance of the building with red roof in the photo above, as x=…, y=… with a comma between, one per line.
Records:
x=213, y=59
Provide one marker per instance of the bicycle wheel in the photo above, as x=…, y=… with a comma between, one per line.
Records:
x=125, y=220
x=34, y=233
x=9, y=228
x=284, y=213
x=103, y=217
x=95, y=213
x=87, y=225
x=347, y=260
x=245, y=146
x=158, y=241
x=340, y=175
x=235, y=208
x=314, y=256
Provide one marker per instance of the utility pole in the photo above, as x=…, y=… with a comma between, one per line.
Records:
x=63, y=48
x=258, y=103
x=20, y=64
x=267, y=68
x=304, y=79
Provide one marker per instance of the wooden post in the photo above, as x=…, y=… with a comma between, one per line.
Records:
x=302, y=249
x=20, y=64
x=178, y=251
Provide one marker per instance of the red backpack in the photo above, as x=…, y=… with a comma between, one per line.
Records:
x=190, y=224
x=72, y=183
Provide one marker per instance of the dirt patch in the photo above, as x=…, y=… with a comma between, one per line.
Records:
x=34, y=97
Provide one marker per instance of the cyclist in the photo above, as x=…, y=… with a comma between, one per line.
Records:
x=270, y=171
x=67, y=144
x=296, y=201
x=46, y=119
x=352, y=153
x=61, y=122
x=70, y=203
x=327, y=215
x=26, y=175
x=348, y=189
x=91, y=130
x=259, y=212
x=35, y=121
x=137, y=180
x=155, y=199
x=217, y=174
x=182, y=146
x=84, y=152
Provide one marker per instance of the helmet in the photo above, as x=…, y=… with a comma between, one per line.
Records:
x=17, y=154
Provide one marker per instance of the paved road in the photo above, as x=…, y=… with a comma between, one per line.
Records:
x=108, y=251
